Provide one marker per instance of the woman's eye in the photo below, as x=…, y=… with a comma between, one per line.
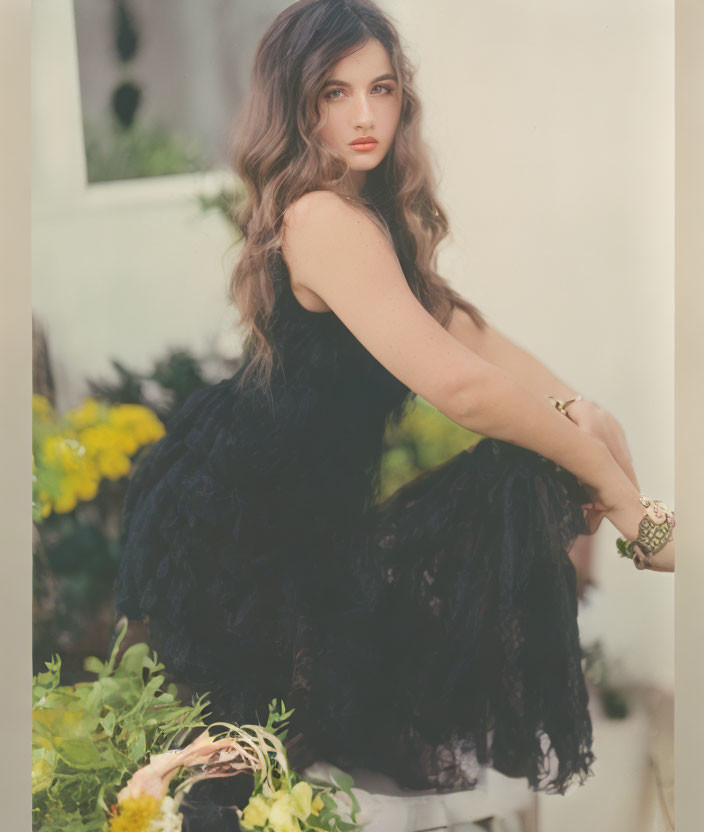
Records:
x=329, y=95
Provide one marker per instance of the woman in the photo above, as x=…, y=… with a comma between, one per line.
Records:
x=434, y=633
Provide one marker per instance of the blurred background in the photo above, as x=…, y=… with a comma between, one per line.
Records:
x=551, y=126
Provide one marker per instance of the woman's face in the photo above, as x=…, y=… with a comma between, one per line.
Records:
x=361, y=99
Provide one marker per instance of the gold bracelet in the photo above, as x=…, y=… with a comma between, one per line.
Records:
x=654, y=532
x=563, y=405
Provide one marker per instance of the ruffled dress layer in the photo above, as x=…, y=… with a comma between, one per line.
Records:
x=425, y=637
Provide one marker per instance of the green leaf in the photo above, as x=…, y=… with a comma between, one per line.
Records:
x=116, y=646
x=42, y=775
x=132, y=659
x=152, y=664
x=117, y=694
x=108, y=722
x=138, y=747
x=93, y=665
x=345, y=826
x=78, y=753
x=344, y=781
x=152, y=687
x=93, y=699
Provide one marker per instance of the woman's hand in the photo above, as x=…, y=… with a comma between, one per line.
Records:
x=597, y=421
x=624, y=510
x=663, y=561
x=593, y=419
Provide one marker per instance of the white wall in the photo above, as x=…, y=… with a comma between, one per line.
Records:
x=122, y=269
x=551, y=122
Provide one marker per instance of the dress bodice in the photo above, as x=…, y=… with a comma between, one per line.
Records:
x=317, y=351
x=318, y=431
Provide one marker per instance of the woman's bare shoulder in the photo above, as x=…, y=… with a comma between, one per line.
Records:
x=313, y=223
x=314, y=208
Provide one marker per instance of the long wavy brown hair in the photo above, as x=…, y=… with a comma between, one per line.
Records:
x=279, y=157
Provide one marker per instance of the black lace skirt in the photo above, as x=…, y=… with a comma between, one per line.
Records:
x=432, y=637
x=467, y=653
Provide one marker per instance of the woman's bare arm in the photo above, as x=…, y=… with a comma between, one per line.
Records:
x=527, y=370
x=495, y=347
x=338, y=253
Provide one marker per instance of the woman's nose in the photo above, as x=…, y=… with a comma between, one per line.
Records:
x=363, y=112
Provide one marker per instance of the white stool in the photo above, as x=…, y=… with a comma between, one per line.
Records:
x=493, y=806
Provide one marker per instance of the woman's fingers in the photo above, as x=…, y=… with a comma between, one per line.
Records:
x=594, y=513
x=617, y=444
x=598, y=506
x=599, y=422
x=619, y=451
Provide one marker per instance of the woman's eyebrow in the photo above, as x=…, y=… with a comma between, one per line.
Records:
x=389, y=76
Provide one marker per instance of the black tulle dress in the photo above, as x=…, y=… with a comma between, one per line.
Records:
x=425, y=637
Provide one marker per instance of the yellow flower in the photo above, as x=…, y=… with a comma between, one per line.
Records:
x=128, y=443
x=125, y=416
x=87, y=413
x=135, y=814
x=149, y=430
x=256, y=812
x=282, y=814
x=113, y=464
x=301, y=797
x=98, y=438
x=41, y=407
x=317, y=804
x=86, y=487
x=61, y=451
x=66, y=501
x=42, y=774
x=92, y=441
x=137, y=424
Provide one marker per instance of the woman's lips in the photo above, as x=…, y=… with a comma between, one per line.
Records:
x=364, y=145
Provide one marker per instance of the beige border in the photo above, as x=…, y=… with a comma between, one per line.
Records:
x=15, y=422
x=15, y=341
x=689, y=407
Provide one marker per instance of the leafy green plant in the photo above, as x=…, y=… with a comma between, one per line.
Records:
x=89, y=738
x=422, y=439
x=175, y=376
x=597, y=669
x=106, y=752
x=116, y=152
x=225, y=201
